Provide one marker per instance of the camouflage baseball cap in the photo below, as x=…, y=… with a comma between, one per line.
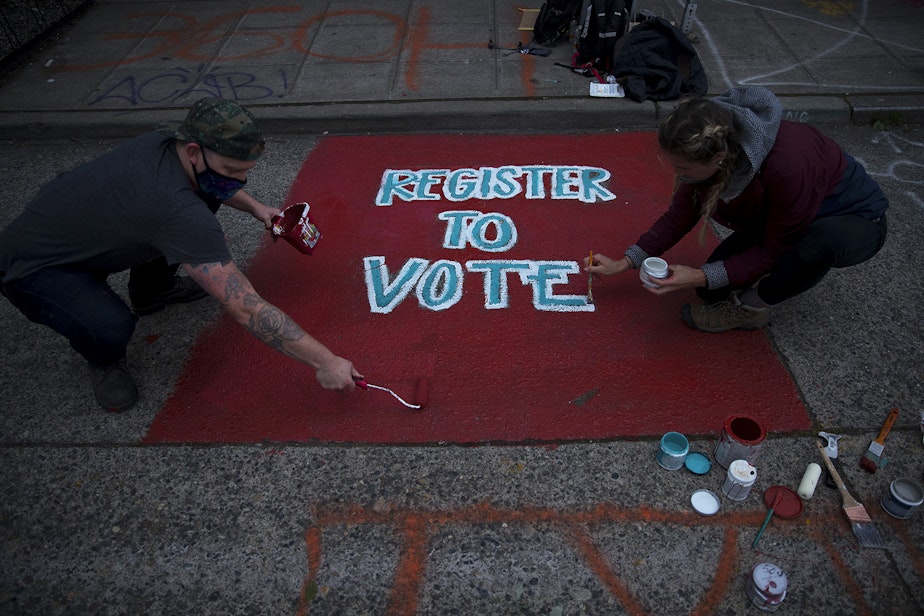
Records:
x=224, y=127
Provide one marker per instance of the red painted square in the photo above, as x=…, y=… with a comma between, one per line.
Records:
x=515, y=373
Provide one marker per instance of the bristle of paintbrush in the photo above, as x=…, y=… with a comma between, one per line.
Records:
x=868, y=463
x=860, y=522
x=863, y=529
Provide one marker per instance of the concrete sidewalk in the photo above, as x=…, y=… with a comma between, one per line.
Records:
x=402, y=65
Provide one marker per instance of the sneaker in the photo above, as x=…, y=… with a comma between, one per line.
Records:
x=113, y=386
x=725, y=315
x=184, y=290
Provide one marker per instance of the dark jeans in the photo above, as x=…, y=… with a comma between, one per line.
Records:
x=832, y=242
x=79, y=305
x=149, y=278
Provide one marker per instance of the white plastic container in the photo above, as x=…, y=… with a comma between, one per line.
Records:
x=903, y=498
x=741, y=476
x=653, y=267
x=767, y=586
x=673, y=451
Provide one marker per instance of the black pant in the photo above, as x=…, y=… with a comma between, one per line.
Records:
x=151, y=278
x=832, y=242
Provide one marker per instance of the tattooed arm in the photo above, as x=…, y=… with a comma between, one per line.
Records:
x=226, y=283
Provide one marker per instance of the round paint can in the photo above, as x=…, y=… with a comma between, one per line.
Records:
x=767, y=586
x=741, y=476
x=652, y=267
x=905, y=495
x=741, y=439
x=673, y=450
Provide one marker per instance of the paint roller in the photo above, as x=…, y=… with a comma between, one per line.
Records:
x=421, y=392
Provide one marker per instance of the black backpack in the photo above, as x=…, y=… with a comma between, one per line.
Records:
x=601, y=24
x=554, y=20
x=656, y=61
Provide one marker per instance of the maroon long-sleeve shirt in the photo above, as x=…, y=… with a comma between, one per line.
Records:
x=776, y=207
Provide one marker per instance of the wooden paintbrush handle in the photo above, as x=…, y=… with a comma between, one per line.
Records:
x=893, y=415
x=849, y=501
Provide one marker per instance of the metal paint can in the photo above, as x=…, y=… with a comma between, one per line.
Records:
x=741, y=476
x=294, y=225
x=904, y=497
x=767, y=586
x=741, y=439
x=673, y=450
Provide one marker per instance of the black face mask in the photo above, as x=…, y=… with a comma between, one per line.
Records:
x=216, y=185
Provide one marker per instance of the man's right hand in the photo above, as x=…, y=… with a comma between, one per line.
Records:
x=338, y=373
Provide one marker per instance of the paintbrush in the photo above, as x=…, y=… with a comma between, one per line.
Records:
x=776, y=501
x=590, y=280
x=863, y=528
x=872, y=457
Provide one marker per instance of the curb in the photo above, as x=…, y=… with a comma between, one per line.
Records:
x=543, y=115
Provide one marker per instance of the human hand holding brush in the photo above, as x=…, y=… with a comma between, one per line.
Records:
x=601, y=265
x=681, y=276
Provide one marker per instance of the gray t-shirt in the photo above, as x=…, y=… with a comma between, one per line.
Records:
x=122, y=209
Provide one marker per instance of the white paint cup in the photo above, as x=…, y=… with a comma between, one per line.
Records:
x=741, y=476
x=652, y=267
x=767, y=587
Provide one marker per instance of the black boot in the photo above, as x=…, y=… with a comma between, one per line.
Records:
x=113, y=386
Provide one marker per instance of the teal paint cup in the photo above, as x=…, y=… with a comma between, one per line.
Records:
x=673, y=451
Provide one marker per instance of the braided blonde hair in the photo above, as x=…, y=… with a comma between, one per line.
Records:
x=698, y=130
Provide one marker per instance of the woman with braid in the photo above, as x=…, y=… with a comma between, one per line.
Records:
x=797, y=204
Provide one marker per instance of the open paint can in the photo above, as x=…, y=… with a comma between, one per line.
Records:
x=767, y=586
x=741, y=476
x=741, y=439
x=673, y=451
x=295, y=226
x=653, y=267
x=903, y=498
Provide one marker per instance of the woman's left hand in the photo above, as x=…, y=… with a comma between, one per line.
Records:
x=682, y=277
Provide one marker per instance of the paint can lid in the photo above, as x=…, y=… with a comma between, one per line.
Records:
x=742, y=472
x=789, y=504
x=770, y=580
x=697, y=463
x=705, y=502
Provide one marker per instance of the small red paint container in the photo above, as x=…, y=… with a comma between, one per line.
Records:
x=741, y=439
x=295, y=226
